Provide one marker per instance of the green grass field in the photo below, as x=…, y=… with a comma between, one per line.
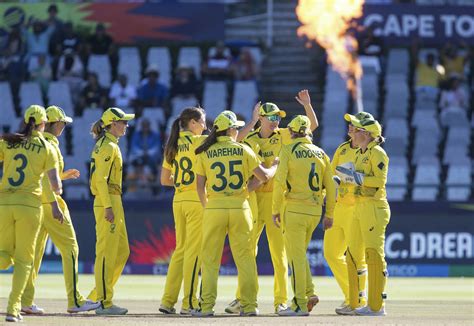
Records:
x=427, y=301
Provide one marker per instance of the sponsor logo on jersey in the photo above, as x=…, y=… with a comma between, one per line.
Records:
x=274, y=141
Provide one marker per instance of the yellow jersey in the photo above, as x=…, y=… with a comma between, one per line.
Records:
x=373, y=163
x=23, y=167
x=304, y=173
x=227, y=165
x=344, y=153
x=106, y=169
x=183, y=166
x=268, y=149
x=53, y=140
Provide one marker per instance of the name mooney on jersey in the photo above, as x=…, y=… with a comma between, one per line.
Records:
x=211, y=153
x=309, y=153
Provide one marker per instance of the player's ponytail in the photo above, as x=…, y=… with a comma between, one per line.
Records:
x=380, y=140
x=24, y=134
x=171, y=148
x=182, y=122
x=97, y=130
x=210, y=140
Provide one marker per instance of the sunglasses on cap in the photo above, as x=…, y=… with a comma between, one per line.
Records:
x=273, y=118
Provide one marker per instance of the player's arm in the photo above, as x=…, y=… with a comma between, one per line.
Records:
x=201, y=189
x=166, y=176
x=279, y=182
x=103, y=164
x=304, y=99
x=379, y=164
x=249, y=126
x=328, y=184
x=54, y=186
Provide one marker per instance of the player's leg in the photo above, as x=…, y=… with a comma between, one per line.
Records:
x=241, y=244
x=108, y=241
x=27, y=222
x=7, y=236
x=356, y=267
x=192, y=260
x=215, y=223
x=335, y=246
x=277, y=250
x=295, y=226
x=27, y=299
x=174, y=277
x=313, y=298
x=64, y=237
x=375, y=218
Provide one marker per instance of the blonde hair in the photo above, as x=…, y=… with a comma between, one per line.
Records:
x=98, y=129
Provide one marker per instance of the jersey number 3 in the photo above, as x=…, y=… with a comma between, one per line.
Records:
x=19, y=170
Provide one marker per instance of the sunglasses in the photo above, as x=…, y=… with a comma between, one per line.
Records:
x=273, y=118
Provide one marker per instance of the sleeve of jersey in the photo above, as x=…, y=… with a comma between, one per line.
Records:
x=335, y=161
x=252, y=159
x=279, y=182
x=330, y=188
x=379, y=163
x=51, y=163
x=103, y=164
x=166, y=165
x=200, y=165
x=285, y=136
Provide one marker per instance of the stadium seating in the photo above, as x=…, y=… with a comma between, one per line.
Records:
x=100, y=64
x=245, y=97
x=190, y=57
x=458, y=181
x=214, y=98
x=30, y=93
x=59, y=94
x=130, y=64
x=7, y=109
x=160, y=56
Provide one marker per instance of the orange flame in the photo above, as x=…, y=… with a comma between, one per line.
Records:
x=327, y=22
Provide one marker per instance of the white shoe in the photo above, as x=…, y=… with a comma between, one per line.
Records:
x=290, y=312
x=186, y=312
x=32, y=310
x=250, y=313
x=233, y=307
x=345, y=310
x=114, y=310
x=86, y=306
x=312, y=301
x=280, y=307
x=14, y=319
x=167, y=310
x=366, y=311
x=199, y=313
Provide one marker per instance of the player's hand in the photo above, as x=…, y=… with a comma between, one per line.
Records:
x=276, y=161
x=277, y=220
x=71, y=174
x=109, y=215
x=327, y=223
x=57, y=214
x=256, y=112
x=303, y=97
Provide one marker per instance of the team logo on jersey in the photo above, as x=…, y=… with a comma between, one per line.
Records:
x=112, y=228
x=365, y=160
x=107, y=158
x=274, y=141
x=343, y=151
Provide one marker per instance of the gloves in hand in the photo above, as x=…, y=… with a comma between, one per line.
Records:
x=348, y=175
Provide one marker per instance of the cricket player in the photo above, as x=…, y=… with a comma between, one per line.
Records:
x=269, y=139
x=371, y=213
x=112, y=249
x=62, y=234
x=302, y=177
x=223, y=169
x=179, y=171
x=335, y=239
x=26, y=156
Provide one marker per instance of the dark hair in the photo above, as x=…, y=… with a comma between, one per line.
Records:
x=210, y=140
x=188, y=114
x=22, y=135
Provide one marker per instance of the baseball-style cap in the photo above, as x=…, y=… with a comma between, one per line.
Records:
x=37, y=112
x=55, y=114
x=269, y=108
x=226, y=120
x=300, y=124
x=365, y=121
x=115, y=114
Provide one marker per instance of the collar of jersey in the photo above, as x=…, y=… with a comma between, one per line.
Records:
x=371, y=145
x=304, y=140
x=271, y=135
x=185, y=133
x=51, y=137
x=111, y=137
x=224, y=138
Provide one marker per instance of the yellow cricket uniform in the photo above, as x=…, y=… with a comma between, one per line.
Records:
x=335, y=238
x=228, y=165
x=304, y=173
x=187, y=211
x=268, y=149
x=371, y=216
x=62, y=235
x=112, y=248
x=20, y=208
